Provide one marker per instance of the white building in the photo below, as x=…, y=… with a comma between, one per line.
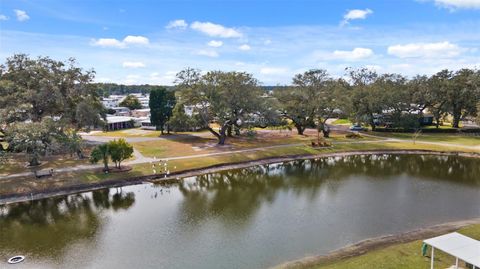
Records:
x=138, y=113
x=145, y=100
x=119, y=122
x=109, y=102
x=147, y=125
x=121, y=111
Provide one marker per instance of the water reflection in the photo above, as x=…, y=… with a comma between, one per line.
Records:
x=47, y=227
x=235, y=195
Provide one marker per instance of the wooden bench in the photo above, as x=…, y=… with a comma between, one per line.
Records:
x=43, y=173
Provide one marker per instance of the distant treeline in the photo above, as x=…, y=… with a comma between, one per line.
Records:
x=106, y=89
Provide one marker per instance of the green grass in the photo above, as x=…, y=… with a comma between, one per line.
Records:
x=342, y=122
x=29, y=183
x=439, y=127
x=401, y=256
x=462, y=139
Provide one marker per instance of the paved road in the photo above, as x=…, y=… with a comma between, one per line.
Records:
x=103, y=139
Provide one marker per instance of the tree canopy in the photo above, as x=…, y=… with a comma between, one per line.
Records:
x=41, y=99
x=116, y=150
x=228, y=98
x=131, y=102
x=311, y=100
x=161, y=105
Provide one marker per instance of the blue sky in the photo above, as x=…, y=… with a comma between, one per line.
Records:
x=134, y=42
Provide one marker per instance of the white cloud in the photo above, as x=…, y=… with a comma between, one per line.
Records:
x=267, y=42
x=425, y=50
x=273, y=71
x=166, y=79
x=136, y=40
x=374, y=67
x=115, y=43
x=131, y=79
x=459, y=4
x=356, y=14
x=209, y=53
x=400, y=68
x=352, y=55
x=215, y=30
x=103, y=80
x=107, y=42
x=244, y=47
x=3, y=17
x=133, y=64
x=215, y=43
x=177, y=24
x=21, y=15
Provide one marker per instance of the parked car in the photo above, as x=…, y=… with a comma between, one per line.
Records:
x=356, y=127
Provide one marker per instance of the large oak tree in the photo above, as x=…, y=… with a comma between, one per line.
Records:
x=226, y=98
x=43, y=99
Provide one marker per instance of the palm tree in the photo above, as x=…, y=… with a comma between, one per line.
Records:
x=101, y=152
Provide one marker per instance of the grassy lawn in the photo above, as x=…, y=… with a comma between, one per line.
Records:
x=342, y=122
x=402, y=256
x=187, y=145
x=28, y=184
x=463, y=139
x=190, y=144
x=18, y=163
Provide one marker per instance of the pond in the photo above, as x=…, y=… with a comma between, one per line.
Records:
x=250, y=218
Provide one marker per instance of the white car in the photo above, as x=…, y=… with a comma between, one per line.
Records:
x=356, y=127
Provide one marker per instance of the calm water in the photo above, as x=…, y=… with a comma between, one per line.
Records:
x=249, y=218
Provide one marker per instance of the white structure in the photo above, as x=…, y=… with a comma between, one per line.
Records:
x=139, y=113
x=145, y=100
x=119, y=122
x=460, y=246
x=190, y=109
x=114, y=100
x=109, y=102
x=121, y=111
x=146, y=125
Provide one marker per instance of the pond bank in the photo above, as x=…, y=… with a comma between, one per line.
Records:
x=376, y=243
x=175, y=176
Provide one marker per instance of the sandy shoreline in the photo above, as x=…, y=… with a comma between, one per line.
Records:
x=375, y=243
x=158, y=178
